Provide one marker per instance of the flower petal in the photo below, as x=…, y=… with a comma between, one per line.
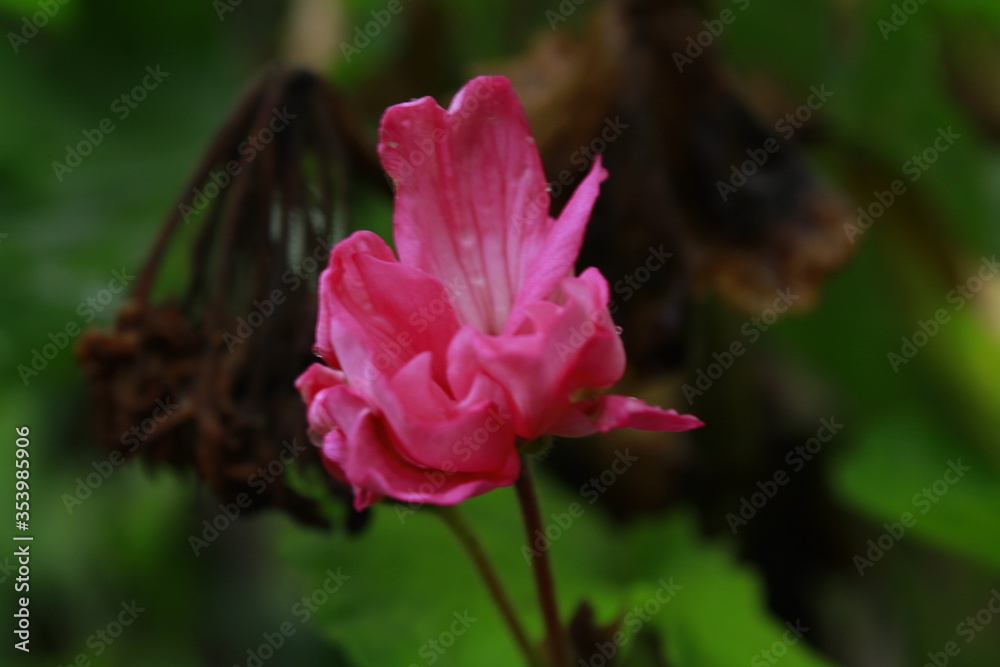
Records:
x=471, y=194
x=317, y=378
x=556, y=258
x=435, y=431
x=376, y=314
x=610, y=412
x=365, y=451
x=561, y=350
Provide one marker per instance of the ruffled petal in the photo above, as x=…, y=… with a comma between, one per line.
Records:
x=313, y=382
x=317, y=378
x=435, y=431
x=366, y=453
x=561, y=350
x=376, y=314
x=329, y=303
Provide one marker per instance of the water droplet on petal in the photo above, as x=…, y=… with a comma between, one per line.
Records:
x=619, y=330
x=316, y=351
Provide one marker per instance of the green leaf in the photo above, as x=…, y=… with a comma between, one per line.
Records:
x=906, y=464
x=663, y=585
x=718, y=599
x=411, y=591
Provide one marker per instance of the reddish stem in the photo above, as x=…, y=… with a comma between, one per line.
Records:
x=556, y=636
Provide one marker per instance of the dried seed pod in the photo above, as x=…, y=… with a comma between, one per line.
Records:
x=211, y=370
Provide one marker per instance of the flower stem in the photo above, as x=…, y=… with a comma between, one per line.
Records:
x=463, y=532
x=528, y=499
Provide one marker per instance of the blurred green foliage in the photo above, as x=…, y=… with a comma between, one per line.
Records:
x=656, y=574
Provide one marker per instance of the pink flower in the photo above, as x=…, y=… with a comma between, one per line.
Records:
x=479, y=337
